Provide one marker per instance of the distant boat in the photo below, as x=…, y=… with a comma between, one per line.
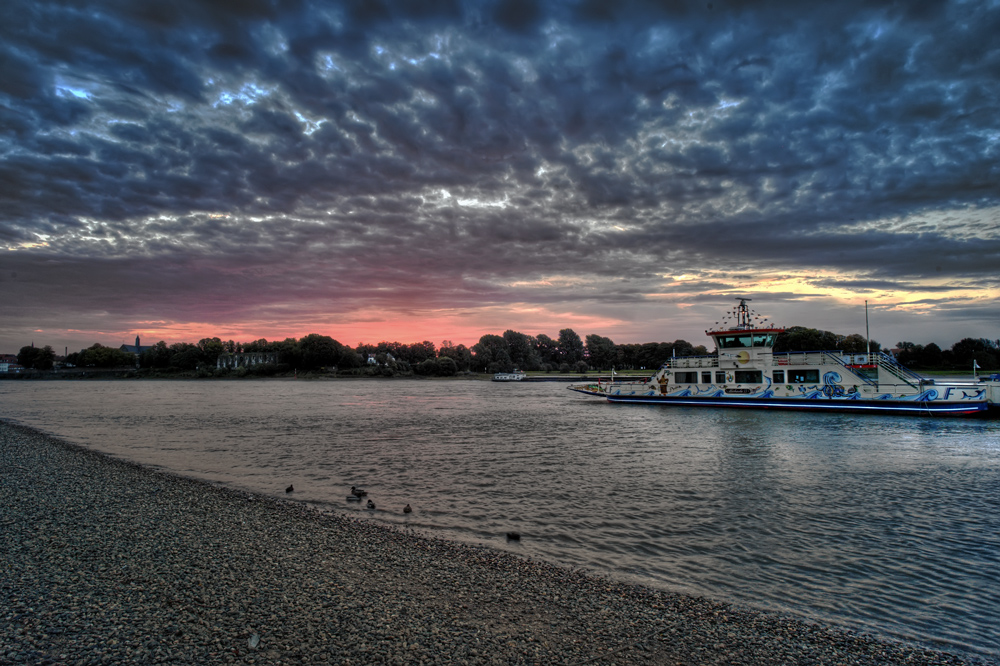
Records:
x=509, y=376
x=746, y=372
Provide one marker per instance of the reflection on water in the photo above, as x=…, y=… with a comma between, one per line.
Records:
x=888, y=524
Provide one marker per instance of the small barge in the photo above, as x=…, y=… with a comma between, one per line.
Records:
x=509, y=376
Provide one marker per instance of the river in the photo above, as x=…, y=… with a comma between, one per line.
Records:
x=889, y=525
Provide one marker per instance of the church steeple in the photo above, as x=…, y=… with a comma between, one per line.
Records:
x=137, y=344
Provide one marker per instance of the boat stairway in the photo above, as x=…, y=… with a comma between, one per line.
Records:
x=837, y=358
x=898, y=371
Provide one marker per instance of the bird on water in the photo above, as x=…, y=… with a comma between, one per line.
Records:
x=371, y=504
x=289, y=489
x=407, y=509
x=513, y=536
x=358, y=492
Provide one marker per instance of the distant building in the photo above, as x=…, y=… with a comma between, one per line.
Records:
x=227, y=360
x=389, y=358
x=136, y=348
x=9, y=364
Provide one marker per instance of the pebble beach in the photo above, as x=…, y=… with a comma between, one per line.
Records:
x=106, y=562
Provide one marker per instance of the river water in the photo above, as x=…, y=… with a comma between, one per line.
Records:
x=884, y=524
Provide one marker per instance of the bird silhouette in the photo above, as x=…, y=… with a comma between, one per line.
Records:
x=289, y=489
x=407, y=509
x=371, y=504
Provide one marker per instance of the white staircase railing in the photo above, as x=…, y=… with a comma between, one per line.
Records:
x=898, y=371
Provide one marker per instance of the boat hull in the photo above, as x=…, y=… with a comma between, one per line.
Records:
x=823, y=404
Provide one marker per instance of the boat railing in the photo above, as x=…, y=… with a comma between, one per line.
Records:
x=838, y=357
x=806, y=358
x=833, y=356
x=711, y=361
x=899, y=371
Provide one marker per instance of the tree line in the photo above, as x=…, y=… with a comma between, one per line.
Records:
x=962, y=355
x=567, y=352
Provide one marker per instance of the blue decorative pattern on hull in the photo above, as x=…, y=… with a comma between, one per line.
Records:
x=896, y=406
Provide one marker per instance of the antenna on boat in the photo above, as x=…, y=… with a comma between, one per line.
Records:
x=743, y=314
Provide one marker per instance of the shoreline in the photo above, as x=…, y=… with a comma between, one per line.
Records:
x=105, y=561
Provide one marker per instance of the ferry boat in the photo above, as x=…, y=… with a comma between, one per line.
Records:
x=746, y=372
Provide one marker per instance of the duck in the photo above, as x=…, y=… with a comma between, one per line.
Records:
x=513, y=536
x=407, y=509
x=289, y=489
x=358, y=492
x=371, y=504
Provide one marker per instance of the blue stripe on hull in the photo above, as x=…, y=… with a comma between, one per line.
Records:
x=868, y=406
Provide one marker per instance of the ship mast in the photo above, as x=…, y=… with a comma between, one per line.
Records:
x=743, y=315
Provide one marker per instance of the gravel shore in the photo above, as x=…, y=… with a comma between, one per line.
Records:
x=106, y=562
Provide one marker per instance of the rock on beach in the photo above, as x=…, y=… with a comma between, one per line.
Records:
x=105, y=562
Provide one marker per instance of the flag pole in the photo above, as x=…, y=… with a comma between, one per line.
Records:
x=868, y=336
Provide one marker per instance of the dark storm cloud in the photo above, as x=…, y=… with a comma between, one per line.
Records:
x=453, y=148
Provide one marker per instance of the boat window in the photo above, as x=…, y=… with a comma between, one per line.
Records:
x=733, y=341
x=706, y=378
x=803, y=376
x=720, y=377
x=763, y=340
x=686, y=377
x=870, y=373
x=779, y=376
x=749, y=377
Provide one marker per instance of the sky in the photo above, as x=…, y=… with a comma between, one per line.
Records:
x=439, y=170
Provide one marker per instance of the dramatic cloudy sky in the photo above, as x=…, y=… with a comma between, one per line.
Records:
x=438, y=169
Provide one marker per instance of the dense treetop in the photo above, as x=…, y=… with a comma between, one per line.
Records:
x=568, y=352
